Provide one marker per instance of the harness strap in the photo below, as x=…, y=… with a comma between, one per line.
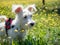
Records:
x=8, y=25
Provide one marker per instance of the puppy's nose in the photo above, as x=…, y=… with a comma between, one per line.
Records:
x=32, y=24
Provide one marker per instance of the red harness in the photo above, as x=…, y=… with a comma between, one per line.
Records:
x=8, y=23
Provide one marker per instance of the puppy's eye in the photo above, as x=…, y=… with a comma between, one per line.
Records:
x=25, y=17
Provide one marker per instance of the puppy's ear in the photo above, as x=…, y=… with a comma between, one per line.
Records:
x=32, y=8
x=17, y=8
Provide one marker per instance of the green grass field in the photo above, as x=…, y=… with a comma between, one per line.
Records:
x=47, y=28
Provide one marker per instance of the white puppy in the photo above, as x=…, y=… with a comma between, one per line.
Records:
x=23, y=21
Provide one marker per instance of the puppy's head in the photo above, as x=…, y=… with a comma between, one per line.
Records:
x=25, y=15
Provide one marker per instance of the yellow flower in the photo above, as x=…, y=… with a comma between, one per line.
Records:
x=51, y=24
x=2, y=30
x=34, y=28
x=44, y=11
x=26, y=24
x=46, y=7
x=16, y=30
x=46, y=21
x=43, y=18
x=22, y=31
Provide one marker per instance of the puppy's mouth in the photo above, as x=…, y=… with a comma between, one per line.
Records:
x=29, y=25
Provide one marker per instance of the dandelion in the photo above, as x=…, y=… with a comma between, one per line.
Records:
x=49, y=18
x=16, y=30
x=46, y=7
x=55, y=10
x=44, y=10
x=4, y=40
x=43, y=18
x=9, y=37
x=26, y=24
x=22, y=30
x=2, y=30
x=34, y=28
x=46, y=21
x=34, y=38
x=51, y=24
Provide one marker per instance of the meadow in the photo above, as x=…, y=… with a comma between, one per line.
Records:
x=47, y=28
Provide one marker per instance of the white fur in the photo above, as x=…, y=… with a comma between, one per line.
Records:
x=3, y=17
x=33, y=8
x=20, y=22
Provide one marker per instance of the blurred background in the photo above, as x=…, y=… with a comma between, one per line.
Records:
x=47, y=28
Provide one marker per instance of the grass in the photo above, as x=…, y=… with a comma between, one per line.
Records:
x=47, y=28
